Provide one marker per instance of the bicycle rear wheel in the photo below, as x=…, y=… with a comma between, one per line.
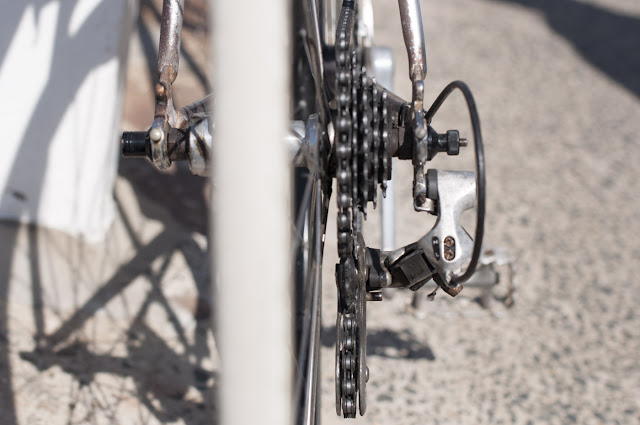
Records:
x=310, y=209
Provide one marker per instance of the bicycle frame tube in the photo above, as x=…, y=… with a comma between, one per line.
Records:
x=251, y=228
x=170, y=32
x=413, y=38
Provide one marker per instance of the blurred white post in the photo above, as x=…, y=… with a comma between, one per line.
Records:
x=62, y=68
x=250, y=207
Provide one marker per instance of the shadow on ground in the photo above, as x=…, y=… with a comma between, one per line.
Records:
x=161, y=377
x=387, y=343
x=44, y=119
x=607, y=40
x=164, y=376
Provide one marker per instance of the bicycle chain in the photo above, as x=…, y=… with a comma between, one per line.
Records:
x=362, y=162
x=343, y=138
x=348, y=366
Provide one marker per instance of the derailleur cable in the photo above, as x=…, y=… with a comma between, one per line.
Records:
x=480, y=169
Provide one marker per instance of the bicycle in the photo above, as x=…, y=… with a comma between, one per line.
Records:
x=343, y=125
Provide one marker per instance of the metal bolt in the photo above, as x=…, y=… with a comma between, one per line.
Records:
x=161, y=90
x=463, y=142
x=449, y=248
x=374, y=296
x=156, y=135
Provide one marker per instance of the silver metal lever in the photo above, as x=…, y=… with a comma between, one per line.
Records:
x=168, y=58
x=447, y=246
x=414, y=41
x=413, y=38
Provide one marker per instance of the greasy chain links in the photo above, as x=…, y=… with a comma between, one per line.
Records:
x=348, y=366
x=362, y=163
x=345, y=358
x=343, y=128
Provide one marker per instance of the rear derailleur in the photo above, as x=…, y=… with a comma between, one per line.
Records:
x=373, y=125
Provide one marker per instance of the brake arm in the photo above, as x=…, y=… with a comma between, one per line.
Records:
x=165, y=116
x=184, y=134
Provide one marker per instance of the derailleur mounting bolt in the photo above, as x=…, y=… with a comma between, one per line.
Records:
x=155, y=135
x=449, y=248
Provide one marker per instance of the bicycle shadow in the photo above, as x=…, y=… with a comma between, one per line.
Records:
x=171, y=376
x=176, y=201
x=387, y=343
x=608, y=40
x=163, y=380
x=64, y=80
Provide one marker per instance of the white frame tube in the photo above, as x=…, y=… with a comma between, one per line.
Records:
x=250, y=208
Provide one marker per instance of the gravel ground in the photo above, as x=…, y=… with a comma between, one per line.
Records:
x=557, y=82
